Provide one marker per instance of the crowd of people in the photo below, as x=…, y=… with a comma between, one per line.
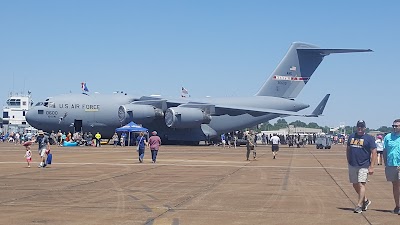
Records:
x=83, y=139
x=233, y=139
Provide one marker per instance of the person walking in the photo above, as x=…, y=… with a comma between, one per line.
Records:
x=223, y=140
x=98, y=137
x=122, y=139
x=28, y=155
x=115, y=139
x=361, y=158
x=44, y=145
x=250, y=145
x=59, y=134
x=141, y=145
x=391, y=152
x=229, y=139
x=235, y=138
x=154, y=144
x=275, y=140
x=379, y=148
x=264, y=139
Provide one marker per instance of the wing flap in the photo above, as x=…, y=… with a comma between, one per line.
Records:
x=237, y=110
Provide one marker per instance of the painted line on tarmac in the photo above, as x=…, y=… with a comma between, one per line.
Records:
x=201, y=152
x=187, y=165
x=196, y=161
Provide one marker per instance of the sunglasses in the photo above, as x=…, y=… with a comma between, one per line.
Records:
x=395, y=126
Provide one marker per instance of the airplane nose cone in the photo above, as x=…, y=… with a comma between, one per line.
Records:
x=30, y=117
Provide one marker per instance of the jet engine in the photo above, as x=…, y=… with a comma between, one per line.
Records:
x=138, y=113
x=182, y=117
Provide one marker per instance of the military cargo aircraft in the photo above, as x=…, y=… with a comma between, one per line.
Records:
x=189, y=120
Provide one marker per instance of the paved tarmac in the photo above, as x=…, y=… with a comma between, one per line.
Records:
x=188, y=185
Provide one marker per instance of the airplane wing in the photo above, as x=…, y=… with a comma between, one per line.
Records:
x=235, y=110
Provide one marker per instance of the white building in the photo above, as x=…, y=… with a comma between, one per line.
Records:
x=294, y=130
x=14, y=112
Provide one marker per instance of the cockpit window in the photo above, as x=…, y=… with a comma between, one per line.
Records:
x=49, y=104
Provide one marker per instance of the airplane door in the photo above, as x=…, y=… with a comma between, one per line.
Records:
x=78, y=125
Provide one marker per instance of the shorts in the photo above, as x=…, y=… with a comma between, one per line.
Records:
x=29, y=159
x=358, y=175
x=275, y=148
x=42, y=152
x=223, y=141
x=392, y=173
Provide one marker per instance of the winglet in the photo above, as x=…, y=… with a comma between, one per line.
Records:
x=321, y=106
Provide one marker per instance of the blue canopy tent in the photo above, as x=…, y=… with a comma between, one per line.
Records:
x=131, y=127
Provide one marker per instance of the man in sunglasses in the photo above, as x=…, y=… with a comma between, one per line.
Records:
x=361, y=157
x=391, y=155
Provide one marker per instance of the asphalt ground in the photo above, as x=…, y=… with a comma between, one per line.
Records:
x=188, y=185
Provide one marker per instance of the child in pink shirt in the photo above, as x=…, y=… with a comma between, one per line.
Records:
x=28, y=155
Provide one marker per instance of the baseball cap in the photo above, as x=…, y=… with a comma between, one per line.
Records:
x=154, y=132
x=361, y=123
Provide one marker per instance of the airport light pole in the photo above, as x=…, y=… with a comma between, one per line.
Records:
x=343, y=127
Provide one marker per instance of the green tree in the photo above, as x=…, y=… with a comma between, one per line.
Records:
x=298, y=123
x=266, y=126
x=280, y=123
x=313, y=125
x=325, y=129
x=349, y=129
x=385, y=129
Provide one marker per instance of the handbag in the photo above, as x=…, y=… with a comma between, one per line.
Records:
x=49, y=159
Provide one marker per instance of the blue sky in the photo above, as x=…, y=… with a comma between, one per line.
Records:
x=212, y=48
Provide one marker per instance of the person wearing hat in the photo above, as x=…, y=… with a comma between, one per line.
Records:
x=391, y=152
x=379, y=148
x=115, y=139
x=44, y=145
x=250, y=145
x=154, y=144
x=361, y=158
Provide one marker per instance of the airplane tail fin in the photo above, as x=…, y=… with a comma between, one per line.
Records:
x=296, y=69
